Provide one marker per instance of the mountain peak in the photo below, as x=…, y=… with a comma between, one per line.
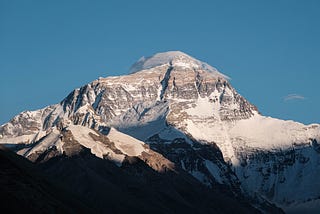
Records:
x=175, y=59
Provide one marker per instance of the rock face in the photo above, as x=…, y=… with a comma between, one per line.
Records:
x=173, y=111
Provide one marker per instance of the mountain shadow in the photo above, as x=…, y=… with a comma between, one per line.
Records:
x=137, y=188
x=24, y=188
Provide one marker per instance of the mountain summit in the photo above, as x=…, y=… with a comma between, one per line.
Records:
x=175, y=59
x=175, y=114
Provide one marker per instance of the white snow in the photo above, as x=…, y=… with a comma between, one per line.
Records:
x=205, y=124
x=287, y=187
x=184, y=65
x=203, y=108
x=81, y=134
x=261, y=132
x=48, y=141
x=141, y=117
x=174, y=58
x=84, y=109
x=269, y=133
x=125, y=143
x=212, y=132
x=27, y=139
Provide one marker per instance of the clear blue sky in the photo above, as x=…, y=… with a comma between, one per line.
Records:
x=270, y=49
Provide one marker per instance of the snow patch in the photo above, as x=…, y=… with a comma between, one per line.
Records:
x=127, y=144
x=81, y=134
x=203, y=108
x=50, y=140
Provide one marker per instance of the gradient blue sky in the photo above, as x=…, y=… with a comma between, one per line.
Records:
x=270, y=49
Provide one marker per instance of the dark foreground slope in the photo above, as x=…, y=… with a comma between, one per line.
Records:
x=137, y=188
x=99, y=186
x=23, y=188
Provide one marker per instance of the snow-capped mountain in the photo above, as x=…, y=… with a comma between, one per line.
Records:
x=173, y=111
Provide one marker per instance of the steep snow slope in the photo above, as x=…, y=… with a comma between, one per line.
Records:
x=269, y=133
x=189, y=112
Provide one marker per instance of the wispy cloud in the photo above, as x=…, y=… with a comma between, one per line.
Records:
x=293, y=97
